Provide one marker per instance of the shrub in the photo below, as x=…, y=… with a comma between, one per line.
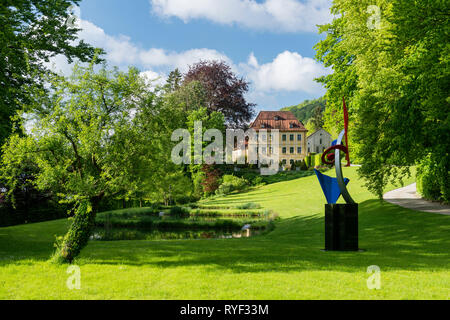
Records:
x=317, y=160
x=303, y=165
x=178, y=211
x=231, y=183
x=236, y=182
x=249, y=205
x=433, y=179
x=258, y=181
x=308, y=161
x=224, y=188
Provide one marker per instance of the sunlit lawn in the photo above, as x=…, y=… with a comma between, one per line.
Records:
x=411, y=248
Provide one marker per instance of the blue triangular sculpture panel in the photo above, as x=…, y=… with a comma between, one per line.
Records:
x=330, y=186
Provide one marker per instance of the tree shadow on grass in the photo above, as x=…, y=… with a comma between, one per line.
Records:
x=395, y=239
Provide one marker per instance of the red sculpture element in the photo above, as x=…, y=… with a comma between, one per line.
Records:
x=328, y=158
x=347, y=153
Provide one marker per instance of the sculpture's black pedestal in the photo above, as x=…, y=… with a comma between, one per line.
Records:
x=341, y=227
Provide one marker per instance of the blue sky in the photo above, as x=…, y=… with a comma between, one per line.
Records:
x=269, y=42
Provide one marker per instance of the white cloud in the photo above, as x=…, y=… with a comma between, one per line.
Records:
x=273, y=15
x=180, y=60
x=122, y=52
x=289, y=71
x=153, y=78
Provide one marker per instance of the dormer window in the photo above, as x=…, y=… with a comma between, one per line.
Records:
x=277, y=118
x=291, y=125
x=263, y=125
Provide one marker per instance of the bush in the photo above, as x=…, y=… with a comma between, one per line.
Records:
x=303, y=165
x=433, y=179
x=231, y=183
x=249, y=205
x=318, y=160
x=308, y=161
x=178, y=211
x=258, y=181
x=224, y=188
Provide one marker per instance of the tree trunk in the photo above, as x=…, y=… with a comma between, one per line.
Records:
x=79, y=232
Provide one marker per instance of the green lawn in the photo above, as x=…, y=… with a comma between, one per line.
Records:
x=411, y=248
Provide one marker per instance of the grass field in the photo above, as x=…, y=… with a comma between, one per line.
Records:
x=411, y=248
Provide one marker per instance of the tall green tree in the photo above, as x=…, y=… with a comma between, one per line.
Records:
x=98, y=134
x=32, y=31
x=317, y=118
x=395, y=76
x=174, y=81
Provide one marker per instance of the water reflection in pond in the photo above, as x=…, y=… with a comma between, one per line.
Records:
x=115, y=234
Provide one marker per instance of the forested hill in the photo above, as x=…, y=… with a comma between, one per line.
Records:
x=305, y=110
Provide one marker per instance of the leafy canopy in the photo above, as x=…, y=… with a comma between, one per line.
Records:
x=31, y=32
x=396, y=81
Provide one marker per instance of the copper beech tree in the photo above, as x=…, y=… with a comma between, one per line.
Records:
x=224, y=91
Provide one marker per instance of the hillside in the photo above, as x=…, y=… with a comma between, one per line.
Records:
x=305, y=110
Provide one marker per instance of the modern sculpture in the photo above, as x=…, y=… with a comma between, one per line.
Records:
x=341, y=220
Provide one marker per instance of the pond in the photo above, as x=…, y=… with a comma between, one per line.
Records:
x=125, y=226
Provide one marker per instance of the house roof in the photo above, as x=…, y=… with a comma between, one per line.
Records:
x=320, y=130
x=281, y=120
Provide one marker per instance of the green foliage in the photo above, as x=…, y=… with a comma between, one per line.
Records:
x=305, y=110
x=191, y=266
x=178, y=211
x=232, y=183
x=309, y=161
x=173, y=82
x=249, y=205
x=32, y=32
x=78, y=235
x=99, y=134
x=432, y=182
x=198, y=178
x=395, y=80
x=318, y=159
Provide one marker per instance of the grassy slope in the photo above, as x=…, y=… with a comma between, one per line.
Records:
x=411, y=248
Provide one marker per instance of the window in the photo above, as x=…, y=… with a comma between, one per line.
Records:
x=264, y=150
x=291, y=125
x=299, y=137
x=264, y=137
x=320, y=141
x=291, y=162
x=291, y=137
x=299, y=150
x=284, y=150
x=317, y=149
x=284, y=137
x=284, y=161
x=291, y=149
x=263, y=125
x=309, y=149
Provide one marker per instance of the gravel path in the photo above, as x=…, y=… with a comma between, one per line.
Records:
x=407, y=197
